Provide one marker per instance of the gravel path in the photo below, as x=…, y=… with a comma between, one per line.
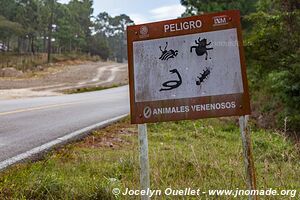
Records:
x=57, y=79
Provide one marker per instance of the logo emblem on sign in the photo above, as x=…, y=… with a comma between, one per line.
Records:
x=144, y=32
x=221, y=20
x=147, y=112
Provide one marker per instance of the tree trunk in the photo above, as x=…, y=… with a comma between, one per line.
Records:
x=70, y=46
x=8, y=46
x=29, y=45
x=19, y=50
x=45, y=42
x=50, y=32
x=32, y=45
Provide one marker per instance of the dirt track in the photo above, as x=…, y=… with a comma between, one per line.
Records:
x=56, y=79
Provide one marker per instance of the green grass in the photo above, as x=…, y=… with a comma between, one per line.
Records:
x=205, y=154
x=89, y=89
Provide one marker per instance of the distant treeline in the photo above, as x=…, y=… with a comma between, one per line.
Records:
x=34, y=26
x=272, y=43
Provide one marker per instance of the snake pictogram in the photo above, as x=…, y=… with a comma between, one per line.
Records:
x=170, y=85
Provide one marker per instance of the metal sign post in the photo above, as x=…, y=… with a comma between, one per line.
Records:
x=144, y=161
x=248, y=156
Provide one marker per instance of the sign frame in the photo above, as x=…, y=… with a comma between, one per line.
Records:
x=150, y=31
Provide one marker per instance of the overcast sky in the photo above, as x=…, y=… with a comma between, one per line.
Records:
x=140, y=11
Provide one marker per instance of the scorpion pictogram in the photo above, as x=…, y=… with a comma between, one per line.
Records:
x=201, y=48
x=203, y=76
x=167, y=54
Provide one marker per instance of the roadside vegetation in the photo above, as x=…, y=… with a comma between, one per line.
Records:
x=38, y=61
x=205, y=154
x=89, y=89
x=272, y=43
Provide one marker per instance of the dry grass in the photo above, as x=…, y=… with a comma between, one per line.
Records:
x=29, y=62
x=22, y=62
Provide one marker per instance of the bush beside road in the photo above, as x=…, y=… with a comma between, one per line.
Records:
x=205, y=154
x=29, y=63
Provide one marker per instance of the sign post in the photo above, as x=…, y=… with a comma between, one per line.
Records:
x=188, y=68
x=144, y=160
x=248, y=156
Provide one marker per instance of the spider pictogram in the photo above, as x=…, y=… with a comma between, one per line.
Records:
x=201, y=48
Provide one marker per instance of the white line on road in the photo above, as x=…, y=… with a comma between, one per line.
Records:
x=57, y=141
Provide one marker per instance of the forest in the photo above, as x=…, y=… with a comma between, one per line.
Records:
x=272, y=43
x=47, y=26
x=270, y=31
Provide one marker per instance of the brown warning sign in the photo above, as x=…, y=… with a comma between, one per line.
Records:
x=187, y=68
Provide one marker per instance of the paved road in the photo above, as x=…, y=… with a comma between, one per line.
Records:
x=29, y=123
